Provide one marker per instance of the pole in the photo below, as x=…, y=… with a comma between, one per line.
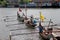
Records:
x=49, y=23
x=9, y=37
x=41, y=2
x=40, y=18
x=26, y=9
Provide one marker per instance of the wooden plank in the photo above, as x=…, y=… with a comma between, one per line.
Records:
x=30, y=33
x=24, y=34
x=13, y=24
x=9, y=16
x=11, y=21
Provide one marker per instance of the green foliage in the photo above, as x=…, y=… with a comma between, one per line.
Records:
x=3, y=2
x=24, y=1
x=21, y=2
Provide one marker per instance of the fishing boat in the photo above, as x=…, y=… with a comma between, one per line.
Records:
x=43, y=37
x=31, y=22
x=56, y=36
x=55, y=33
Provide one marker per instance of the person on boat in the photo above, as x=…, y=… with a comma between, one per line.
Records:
x=31, y=22
x=20, y=12
x=34, y=21
x=49, y=35
x=31, y=18
x=23, y=17
x=40, y=28
x=42, y=32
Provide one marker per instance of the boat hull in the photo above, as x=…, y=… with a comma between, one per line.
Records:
x=31, y=26
x=44, y=38
x=58, y=38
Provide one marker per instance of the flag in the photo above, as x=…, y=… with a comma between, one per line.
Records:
x=20, y=10
x=41, y=17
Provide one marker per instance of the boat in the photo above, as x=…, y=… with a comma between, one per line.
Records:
x=31, y=25
x=55, y=32
x=44, y=37
x=31, y=22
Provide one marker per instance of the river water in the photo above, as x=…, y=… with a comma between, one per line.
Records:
x=19, y=30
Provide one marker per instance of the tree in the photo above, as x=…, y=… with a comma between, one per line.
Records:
x=26, y=1
x=1, y=0
x=21, y=2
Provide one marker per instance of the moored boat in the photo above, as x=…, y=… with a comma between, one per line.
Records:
x=45, y=37
x=20, y=15
x=31, y=22
x=30, y=25
x=47, y=34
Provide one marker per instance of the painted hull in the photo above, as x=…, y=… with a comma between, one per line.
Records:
x=44, y=38
x=31, y=26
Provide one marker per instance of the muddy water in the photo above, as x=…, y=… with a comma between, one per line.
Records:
x=10, y=25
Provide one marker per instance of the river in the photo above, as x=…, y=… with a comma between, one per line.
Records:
x=5, y=30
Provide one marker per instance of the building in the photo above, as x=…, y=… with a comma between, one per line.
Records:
x=38, y=2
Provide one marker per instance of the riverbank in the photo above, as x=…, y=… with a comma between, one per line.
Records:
x=11, y=6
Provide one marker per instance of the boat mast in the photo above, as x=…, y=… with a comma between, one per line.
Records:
x=49, y=23
x=40, y=16
x=26, y=9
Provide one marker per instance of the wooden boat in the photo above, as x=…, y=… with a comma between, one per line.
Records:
x=31, y=25
x=43, y=37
